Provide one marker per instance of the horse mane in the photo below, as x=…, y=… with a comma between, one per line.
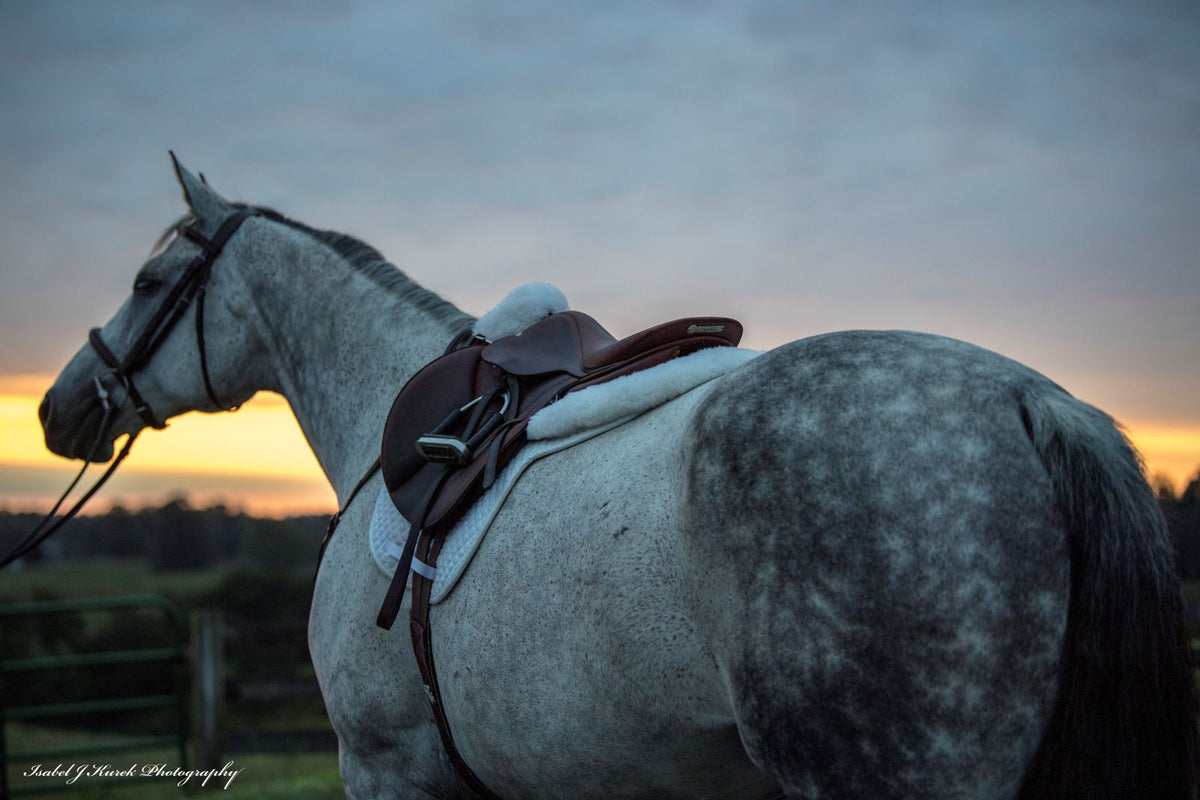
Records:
x=370, y=262
x=364, y=258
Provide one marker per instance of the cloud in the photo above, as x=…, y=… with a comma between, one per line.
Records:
x=1021, y=173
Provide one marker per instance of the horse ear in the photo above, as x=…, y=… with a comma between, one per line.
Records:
x=204, y=201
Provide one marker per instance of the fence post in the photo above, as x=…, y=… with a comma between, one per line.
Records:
x=208, y=687
x=3, y=742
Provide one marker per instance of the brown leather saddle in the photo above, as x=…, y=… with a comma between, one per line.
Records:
x=459, y=420
x=462, y=418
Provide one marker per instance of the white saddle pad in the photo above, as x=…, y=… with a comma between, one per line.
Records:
x=576, y=418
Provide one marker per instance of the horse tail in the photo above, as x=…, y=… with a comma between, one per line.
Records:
x=1125, y=722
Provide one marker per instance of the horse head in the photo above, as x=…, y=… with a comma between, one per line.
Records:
x=153, y=359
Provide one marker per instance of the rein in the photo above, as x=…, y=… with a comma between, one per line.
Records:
x=48, y=524
x=190, y=286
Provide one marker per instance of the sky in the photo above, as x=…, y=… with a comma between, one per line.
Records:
x=1022, y=175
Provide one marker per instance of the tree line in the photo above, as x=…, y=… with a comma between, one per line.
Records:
x=177, y=536
x=1182, y=513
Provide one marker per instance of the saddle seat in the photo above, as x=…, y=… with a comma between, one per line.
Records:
x=513, y=377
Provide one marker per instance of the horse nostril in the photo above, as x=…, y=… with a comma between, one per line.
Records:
x=44, y=410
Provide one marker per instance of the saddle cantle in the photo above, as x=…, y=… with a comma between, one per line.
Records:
x=463, y=417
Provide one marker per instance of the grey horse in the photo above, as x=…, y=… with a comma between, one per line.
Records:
x=866, y=564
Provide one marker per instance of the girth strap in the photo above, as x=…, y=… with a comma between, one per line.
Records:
x=422, y=640
x=420, y=554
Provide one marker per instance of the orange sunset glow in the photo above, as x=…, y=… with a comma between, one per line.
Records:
x=255, y=460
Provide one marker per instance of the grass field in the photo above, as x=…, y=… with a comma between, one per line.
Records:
x=296, y=775
x=103, y=578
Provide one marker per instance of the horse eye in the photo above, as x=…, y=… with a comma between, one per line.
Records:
x=145, y=285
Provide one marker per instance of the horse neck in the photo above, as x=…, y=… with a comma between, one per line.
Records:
x=342, y=346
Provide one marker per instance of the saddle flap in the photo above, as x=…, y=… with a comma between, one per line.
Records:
x=426, y=400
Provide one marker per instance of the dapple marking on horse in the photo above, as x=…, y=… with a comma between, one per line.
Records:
x=865, y=564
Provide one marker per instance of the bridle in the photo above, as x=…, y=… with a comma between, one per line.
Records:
x=190, y=287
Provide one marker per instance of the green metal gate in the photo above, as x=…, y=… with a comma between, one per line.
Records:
x=172, y=654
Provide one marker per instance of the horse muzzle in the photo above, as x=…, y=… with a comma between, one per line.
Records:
x=72, y=430
x=46, y=410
